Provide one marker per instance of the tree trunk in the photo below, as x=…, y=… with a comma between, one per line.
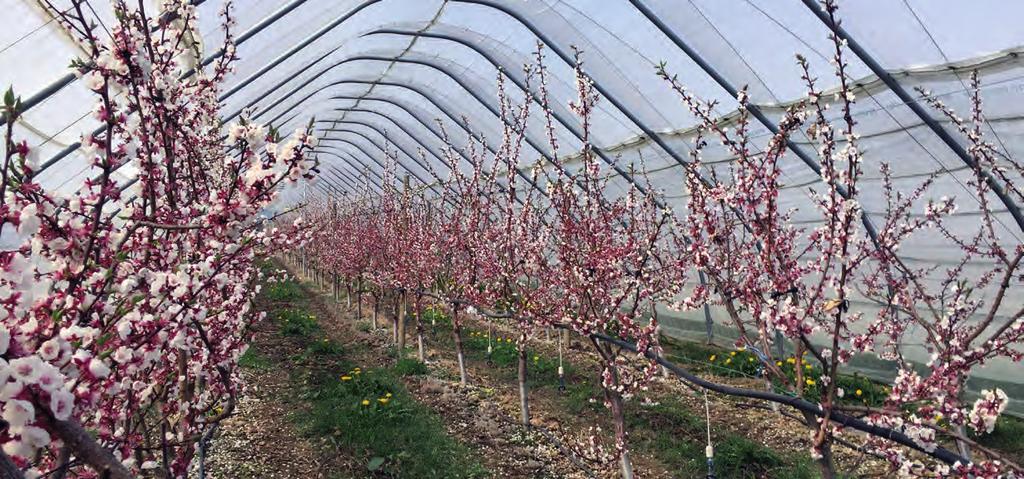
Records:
x=394, y=325
x=618, y=412
x=524, y=400
x=825, y=462
x=87, y=450
x=400, y=311
x=376, y=306
x=348, y=295
x=619, y=418
x=420, y=353
x=457, y=332
x=359, y=306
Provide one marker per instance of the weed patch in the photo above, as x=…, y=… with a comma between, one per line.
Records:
x=371, y=413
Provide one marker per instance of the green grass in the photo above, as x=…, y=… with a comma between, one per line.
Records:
x=393, y=434
x=371, y=413
x=296, y=322
x=736, y=363
x=409, y=367
x=542, y=370
x=253, y=359
x=676, y=436
x=324, y=347
x=283, y=291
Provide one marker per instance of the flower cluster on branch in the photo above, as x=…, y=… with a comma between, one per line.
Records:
x=125, y=310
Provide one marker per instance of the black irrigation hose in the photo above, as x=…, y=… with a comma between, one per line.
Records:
x=797, y=403
x=939, y=453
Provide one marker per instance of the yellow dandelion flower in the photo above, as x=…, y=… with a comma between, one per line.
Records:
x=712, y=358
x=346, y=378
x=729, y=360
x=366, y=402
x=732, y=353
x=778, y=363
x=858, y=392
x=810, y=382
x=807, y=367
x=536, y=358
x=387, y=395
x=750, y=360
x=791, y=360
x=383, y=400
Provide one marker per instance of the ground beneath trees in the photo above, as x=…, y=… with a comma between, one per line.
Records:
x=286, y=425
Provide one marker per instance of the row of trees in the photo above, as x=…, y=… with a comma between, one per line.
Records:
x=573, y=255
x=125, y=309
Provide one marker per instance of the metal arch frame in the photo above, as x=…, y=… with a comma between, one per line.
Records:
x=361, y=150
x=444, y=71
x=431, y=129
x=297, y=48
x=752, y=108
x=343, y=178
x=294, y=90
x=472, y=93
x=556, y=114
x=340, y=174
x=376, y=181
x=384, y=134
x=279, y=84
x=916, y=107
x=398, y=123
x=422, y=145
x=647, y=131
x=69, y=78
x=380, y=147
x=332, y=187
x=432, y=186
x=336, y=152
x=415, y=138
x=430, y=99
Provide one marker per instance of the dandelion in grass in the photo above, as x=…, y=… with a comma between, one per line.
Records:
x=858, y=393
x=366, y=402
x=383, y=400
x=810, y=382
x=712, y=358
x=346, y=378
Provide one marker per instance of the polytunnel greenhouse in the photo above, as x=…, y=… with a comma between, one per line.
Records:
x=497, y=238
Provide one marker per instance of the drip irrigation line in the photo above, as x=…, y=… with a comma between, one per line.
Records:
x=845, y=420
